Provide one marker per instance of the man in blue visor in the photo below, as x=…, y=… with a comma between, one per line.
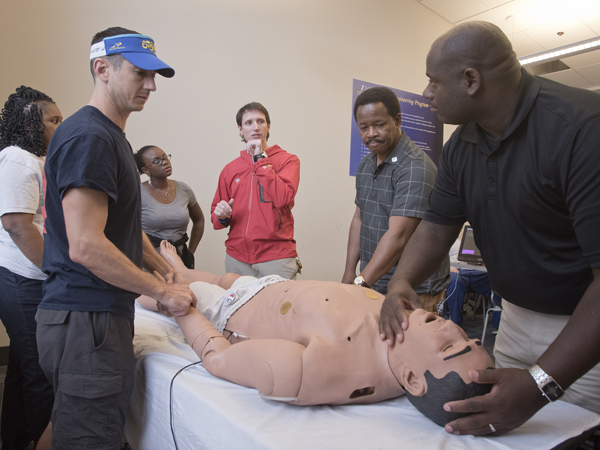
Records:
x=95, y=249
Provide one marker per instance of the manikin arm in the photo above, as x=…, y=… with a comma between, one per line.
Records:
x=273, y=366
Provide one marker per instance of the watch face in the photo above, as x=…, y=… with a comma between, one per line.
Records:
x=358, y=280
x=553, y=391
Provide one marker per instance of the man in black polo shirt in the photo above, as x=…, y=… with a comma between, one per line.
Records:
x=392, y=187
x=523, y=170
x=94, y=248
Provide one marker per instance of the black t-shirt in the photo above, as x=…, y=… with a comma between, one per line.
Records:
x=89, y=150
x=533, y=197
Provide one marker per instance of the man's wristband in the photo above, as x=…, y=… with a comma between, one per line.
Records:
x=262, y=155
x=224, y=222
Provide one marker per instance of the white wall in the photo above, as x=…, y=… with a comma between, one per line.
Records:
x=297, y=57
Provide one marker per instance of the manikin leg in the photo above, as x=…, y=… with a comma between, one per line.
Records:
x=169, y=252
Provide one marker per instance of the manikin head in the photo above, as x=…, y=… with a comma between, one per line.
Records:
x=433, y=362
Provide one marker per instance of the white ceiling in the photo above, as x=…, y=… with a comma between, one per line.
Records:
x=534, y=26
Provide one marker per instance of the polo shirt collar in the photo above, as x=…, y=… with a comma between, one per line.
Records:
x=530, y=87
x=396, y=152
x=528, y=92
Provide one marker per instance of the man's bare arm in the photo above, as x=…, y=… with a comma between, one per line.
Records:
x=424, y=253
x=353, y=251
x=86, y=212
x=390, y=247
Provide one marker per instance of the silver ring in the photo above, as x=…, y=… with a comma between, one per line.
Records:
x=492, y=428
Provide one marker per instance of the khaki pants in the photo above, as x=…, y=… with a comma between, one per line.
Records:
x=285, y=268
x=430, y=301
x=522, y=338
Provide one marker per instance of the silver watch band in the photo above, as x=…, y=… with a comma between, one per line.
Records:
x=546, y=384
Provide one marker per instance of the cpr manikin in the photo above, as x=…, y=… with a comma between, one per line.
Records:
x=317, y=342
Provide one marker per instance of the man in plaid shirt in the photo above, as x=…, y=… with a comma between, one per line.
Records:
x=392, y=190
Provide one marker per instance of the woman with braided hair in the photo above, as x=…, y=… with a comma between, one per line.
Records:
x=27, y=123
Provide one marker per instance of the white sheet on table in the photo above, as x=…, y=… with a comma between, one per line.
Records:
x=209, y=413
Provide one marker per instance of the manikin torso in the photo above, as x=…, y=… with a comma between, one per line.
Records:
x=345, y=361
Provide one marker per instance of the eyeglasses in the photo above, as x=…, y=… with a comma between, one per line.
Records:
x=158, y=161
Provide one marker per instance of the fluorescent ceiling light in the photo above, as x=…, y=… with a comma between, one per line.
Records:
x=560, y=52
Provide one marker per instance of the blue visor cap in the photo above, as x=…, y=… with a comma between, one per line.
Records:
x=138, y=49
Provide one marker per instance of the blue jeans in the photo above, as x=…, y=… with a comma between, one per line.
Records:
x=28, y=396
x=473, y=280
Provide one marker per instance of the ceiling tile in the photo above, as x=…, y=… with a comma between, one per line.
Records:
x=573, y=29
x=455, y=10
x=570, y=78
x=592, y=20
x=591, y=73
x=523, y=45
x=582, y=8
x=585, y=59
x=494, y=3
x=531, y=13
x=534, y=28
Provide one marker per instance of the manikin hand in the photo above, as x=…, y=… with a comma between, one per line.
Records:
x=253, y=147
x=223, y=210
x=393, y=319
x=513, y=400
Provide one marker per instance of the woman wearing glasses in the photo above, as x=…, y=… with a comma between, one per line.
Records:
x=168, y=205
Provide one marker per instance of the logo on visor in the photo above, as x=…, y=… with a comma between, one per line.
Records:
x=149, y=45
x=117, y=46
x=230, y=297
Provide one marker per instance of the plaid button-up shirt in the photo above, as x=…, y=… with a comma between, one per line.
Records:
x=400, y=186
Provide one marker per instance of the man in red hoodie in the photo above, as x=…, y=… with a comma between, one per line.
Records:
x=254, y=198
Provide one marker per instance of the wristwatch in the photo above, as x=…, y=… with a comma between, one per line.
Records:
x=549, y=387
x=360, y=281
x=261, y=155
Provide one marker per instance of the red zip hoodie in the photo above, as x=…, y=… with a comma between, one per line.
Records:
x=262, y=224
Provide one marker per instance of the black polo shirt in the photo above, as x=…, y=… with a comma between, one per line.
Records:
x=533, y=197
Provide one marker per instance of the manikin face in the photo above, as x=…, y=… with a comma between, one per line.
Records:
x=438, y=345
x=51, y=118
x=378, y=130
x=254, y=126
x=161, y=170
x=130, y=87
x=444, y=90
